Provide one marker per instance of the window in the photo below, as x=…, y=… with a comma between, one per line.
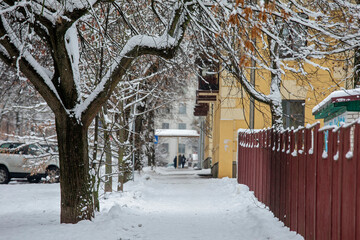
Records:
x=164, y=148
x=293, y=113
x=182, y=108
x=182, y=125
x=181, y=148
x=165, y=126
x=165, y=110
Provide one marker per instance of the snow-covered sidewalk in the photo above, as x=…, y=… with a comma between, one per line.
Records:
x=165, y=204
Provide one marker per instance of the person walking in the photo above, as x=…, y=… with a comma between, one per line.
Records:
x=183, y=160
x=175, y=162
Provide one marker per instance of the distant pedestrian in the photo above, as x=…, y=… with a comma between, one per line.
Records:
x=183, y=160
x=175, y=162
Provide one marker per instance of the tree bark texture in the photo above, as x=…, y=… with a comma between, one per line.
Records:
x=108, y=161
x=150, y=139
x=357, y=68
x=76, y=192
x=276, y=115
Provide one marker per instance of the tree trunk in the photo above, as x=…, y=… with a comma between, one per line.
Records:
x=151, y=137
x=76, y=197
x=107, y=149
x=276, y=115
x=108, y=161
x=95, y=167
x=121, y=136
x=139, y=140
x=356, y=68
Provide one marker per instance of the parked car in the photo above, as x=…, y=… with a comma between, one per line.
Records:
x=32, y=161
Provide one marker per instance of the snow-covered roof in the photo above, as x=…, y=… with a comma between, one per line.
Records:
x=344, y=95
x=176, y=133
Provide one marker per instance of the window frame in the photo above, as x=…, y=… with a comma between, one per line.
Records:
x=182, y=145
x=182, y=108
x=290, y=118
x=182, y=124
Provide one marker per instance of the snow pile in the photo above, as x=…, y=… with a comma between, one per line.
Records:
x=161, y=204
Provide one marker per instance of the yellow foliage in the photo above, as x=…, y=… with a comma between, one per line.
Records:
x=242, y=60
x=255, y=32
x=248, y=13
x=233, y=20
x=249, y=45
x=270, y=7
x=262, y=16
x=238, y=2
x=284, y=14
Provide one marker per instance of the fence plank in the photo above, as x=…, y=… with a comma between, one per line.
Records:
x=323, y=191
x=277, y=176
x=357, y=158
x=294, y=183
x=268, y=166
x=262, y=167
x=311, y=150
x=272, y=172
x=301, y=184
x=288, y=178
x=348, y=195
x=283, y=187
x=336, y=183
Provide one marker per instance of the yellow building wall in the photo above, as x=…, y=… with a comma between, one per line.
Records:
x=226, y=148
x=231, y=110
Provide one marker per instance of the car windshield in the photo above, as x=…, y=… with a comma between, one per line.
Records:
x=10, y=145
x=32, y=150
x=49, y=148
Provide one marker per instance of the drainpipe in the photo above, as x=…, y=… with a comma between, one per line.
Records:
x=201, y=142
x=252, y=81
x=252, y=101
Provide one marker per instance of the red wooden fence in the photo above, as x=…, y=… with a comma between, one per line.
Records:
x=309, y=183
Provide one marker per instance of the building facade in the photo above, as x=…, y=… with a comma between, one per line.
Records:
x=226, y=107
x=177, y=115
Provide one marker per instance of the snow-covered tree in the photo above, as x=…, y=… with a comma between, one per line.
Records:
x=24, y=115
x=59, y=80
x=271, y=40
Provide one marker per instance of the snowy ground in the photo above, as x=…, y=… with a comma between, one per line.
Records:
x=163, y=205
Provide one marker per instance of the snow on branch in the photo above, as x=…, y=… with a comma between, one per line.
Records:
x=72, y=48
x=26, y=56
x=134, y=44
x=164, y=45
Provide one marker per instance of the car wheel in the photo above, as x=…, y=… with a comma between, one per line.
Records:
x=53, y=175
x=4, y=175
x=33, y=179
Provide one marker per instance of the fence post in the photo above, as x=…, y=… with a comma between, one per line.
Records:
x=311, y=149
x=268, y=166
x=277, y=173
x=288, y=178
x=323, y=189
x=356, y=159
x=261, y=166
x=348, y=194
x=337, y=149
x=239, y=159
x=294, y=181
x=301, y=182
x=283, y=174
